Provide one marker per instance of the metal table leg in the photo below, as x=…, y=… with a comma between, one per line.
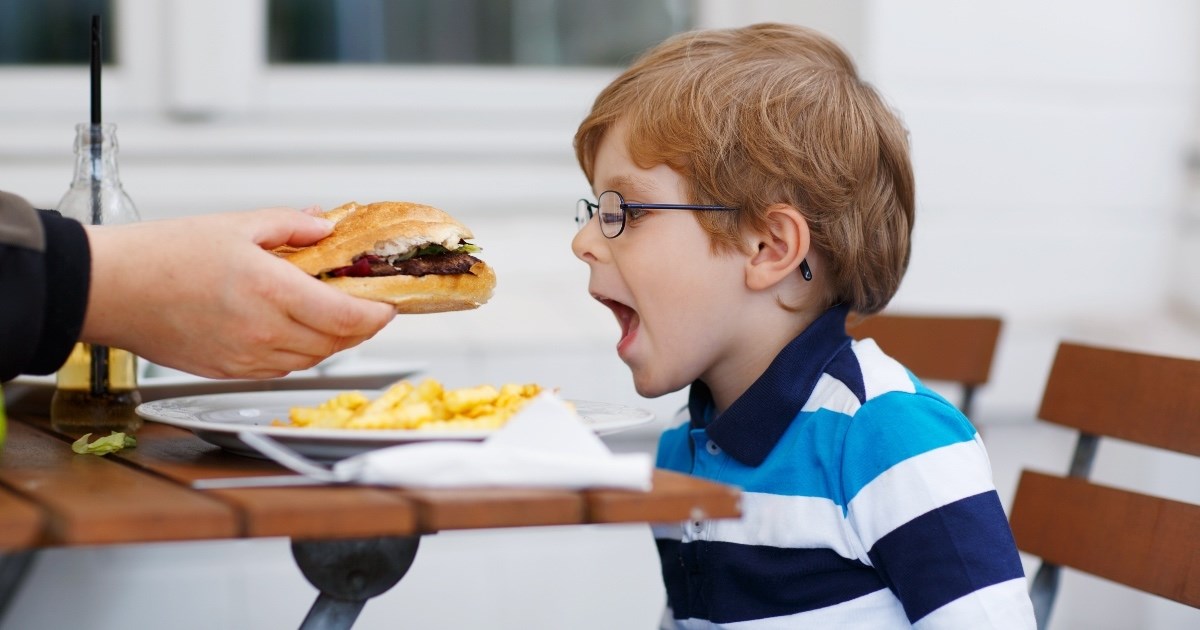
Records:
x=348, y=573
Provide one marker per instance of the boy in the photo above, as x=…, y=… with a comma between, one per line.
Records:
x=751, y=191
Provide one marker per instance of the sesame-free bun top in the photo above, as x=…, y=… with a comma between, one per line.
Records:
x=382, y=228
x=386, y=228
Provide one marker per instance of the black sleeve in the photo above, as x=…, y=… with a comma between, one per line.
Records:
x=45, y=266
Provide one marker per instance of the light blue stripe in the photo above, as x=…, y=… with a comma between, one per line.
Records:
x=830, y=455
x=673, y=450
x=804, y=462
x=894, y=427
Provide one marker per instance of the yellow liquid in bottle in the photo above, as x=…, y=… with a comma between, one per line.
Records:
x=78, y=407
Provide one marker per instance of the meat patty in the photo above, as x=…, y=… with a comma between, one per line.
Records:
x=438, y=264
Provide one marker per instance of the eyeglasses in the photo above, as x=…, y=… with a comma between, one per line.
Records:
x=613, y=209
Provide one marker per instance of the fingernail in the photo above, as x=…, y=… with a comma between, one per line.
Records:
x=324, y=223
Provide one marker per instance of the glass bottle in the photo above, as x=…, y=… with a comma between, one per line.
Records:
x=97, y=386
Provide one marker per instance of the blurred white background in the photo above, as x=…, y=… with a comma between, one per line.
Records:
x=1051, y=144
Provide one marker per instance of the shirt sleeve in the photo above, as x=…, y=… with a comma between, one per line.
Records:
x=45, y=266
x=922, y=500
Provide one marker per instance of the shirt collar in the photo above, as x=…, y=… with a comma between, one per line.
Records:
x=755, y=422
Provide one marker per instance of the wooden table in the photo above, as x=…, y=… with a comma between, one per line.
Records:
x=351, y=542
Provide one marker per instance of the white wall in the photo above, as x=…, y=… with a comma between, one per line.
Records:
x=1049, y=143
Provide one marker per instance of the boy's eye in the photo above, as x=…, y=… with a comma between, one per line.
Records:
x=637, y=213
x=610, y=217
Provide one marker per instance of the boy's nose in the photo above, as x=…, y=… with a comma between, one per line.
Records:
x=589, y=244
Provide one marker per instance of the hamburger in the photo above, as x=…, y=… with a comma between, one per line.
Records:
x=412, y=256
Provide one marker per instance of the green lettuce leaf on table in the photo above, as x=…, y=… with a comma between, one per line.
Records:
x=105, y=445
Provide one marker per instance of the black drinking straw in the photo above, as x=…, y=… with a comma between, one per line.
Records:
x=96, y=140
x=95, y=69
x=99, y=375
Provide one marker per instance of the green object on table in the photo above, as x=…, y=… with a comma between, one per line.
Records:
x=105, y=445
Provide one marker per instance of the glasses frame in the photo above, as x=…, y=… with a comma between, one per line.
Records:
x=585, y=210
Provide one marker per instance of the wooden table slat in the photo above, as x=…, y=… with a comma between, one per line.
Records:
x=309, y=512
x=91, y=500
x=472, y=508
x=21, y=522
x=675, y=497
x=351, y=512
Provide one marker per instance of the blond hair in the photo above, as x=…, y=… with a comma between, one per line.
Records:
x=773, y=114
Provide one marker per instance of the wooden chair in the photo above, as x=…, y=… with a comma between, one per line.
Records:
x=1145, y=542
x=937, y=348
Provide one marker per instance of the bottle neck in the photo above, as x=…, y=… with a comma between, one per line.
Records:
x=96, y=155
x=96, y=195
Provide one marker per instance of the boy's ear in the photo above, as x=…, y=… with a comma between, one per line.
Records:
x=778, y=251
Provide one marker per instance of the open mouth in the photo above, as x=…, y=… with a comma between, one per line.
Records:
x=626, y=317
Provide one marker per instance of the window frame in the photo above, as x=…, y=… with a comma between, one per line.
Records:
x=168, y=77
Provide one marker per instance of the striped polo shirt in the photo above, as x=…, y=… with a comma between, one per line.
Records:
x=868, y=502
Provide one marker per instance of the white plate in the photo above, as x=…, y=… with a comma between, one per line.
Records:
x=155, y=381
x=217, y=418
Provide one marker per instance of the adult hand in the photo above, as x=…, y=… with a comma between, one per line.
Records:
x=201, y=294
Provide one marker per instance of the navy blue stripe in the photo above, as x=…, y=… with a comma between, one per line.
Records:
x=673, y=572
x=946, y=553
x=845, y=367
x=728, y=582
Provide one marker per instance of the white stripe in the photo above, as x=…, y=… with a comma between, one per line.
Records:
x=881, y=373
x=1005, y=605
x=917, y=485
x=786, y=521
x=830, y=393
x=874, y=611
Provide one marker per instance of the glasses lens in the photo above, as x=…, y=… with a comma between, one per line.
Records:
x=612, y=216
x=583, y=213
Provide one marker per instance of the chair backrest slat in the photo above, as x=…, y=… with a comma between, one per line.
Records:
x=1148, y=543
x=935, y=347
x=1148, y=399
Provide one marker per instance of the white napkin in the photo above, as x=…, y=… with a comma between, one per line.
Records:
x=545, y=445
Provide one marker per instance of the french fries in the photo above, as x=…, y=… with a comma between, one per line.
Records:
x=424, y=406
